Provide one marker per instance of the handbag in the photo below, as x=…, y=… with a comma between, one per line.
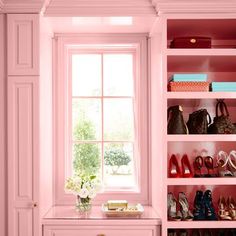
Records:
x=222, y=123
x=176, y=124
x=198, y=122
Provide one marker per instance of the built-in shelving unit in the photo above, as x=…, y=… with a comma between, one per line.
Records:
x=219, y=62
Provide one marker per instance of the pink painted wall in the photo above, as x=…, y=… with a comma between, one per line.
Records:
x=2, y=127
x=46, y=145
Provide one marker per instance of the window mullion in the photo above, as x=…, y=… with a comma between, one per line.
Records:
x=102, y=111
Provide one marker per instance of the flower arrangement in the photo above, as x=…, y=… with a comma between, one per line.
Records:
x=85, y=188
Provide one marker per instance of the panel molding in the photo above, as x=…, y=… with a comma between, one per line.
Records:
x=23, y=44
x=23, y=154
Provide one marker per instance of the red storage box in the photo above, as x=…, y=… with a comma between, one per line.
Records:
x=191, y=42
x=189, y=86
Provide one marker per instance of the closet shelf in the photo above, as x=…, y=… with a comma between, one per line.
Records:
x=200, y=138
x=200, y=181
x=200, y=224
x=201, y=95
x=201, y=52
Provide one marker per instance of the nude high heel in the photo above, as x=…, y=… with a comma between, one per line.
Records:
x=172, y=208
x=186, y=213
x=232, y=162
x=223, y=212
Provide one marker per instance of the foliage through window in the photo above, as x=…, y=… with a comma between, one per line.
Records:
x=102, y=104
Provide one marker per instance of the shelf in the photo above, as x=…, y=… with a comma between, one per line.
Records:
x=201, y=95
x=200, y=181
x=200, y=138
x=201, y=224
x=200, y=52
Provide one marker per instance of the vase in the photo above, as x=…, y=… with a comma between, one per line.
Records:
x=83, y=205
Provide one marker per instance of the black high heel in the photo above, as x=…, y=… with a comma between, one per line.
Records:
x=209, y=208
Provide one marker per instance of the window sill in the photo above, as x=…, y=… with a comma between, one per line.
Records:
x=68, y=215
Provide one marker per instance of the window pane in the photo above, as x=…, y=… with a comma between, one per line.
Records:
x=118, y=74
x=119, y=166
x=86, y=119
x=86, y=75
x=118, y=119
x=87, y=158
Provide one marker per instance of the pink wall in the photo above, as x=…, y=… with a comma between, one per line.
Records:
x=2, y=127
x=45, y=116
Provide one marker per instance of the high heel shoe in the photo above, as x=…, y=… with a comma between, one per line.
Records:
x=196, y=232
x=186, y=167
x=209, y=163
x=199, y=208
x=207, y=232
x=174, y=169
x=232, y=162
x=209, y=208
x=223, y=212
x=197, y=165
x=172, y=232
x=232, y=207
x=186, y=213
x=172, y=208
x=222, y=162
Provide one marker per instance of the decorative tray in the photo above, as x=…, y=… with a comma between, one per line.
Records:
x=130, y=211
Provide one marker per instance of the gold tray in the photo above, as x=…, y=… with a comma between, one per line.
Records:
x=130, y=211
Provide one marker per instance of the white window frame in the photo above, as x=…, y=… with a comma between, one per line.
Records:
x=64, y=45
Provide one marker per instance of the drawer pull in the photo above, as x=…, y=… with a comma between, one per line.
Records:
x=193, y=40
x=101, y=235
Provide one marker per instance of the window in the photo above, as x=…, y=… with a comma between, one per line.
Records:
x=101, y=114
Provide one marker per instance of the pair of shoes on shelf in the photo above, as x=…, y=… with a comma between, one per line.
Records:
x=198, y=165
x=174, y=168
x=226, y=209
x=226, y=232
x=173, y=213
x=204, y=232
x=174, y=232
x=203, y=206
x=226, y=163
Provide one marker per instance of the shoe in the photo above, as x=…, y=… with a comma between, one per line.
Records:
x=172, y=208
x=186, y=167
x=184, y=206
x=172, y=232
x=197, y=165
x=196, y=232
x=207, y=232
x=231, y=232
x=209, y=208
x=209, y=163
x=232, y=162
x=174, y=169
x=222, y=232
x=232, y=208
x=222, y=163
x=183, y=232
x=223, y=212
x=199, y=208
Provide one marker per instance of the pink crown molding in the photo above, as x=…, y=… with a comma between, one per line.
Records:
x=100, y=8
x=22, y=6
x=197, y=6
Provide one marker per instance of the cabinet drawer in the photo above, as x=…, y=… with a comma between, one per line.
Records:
x=99, y=231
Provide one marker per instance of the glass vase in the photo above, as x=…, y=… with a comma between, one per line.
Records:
x=83, y=205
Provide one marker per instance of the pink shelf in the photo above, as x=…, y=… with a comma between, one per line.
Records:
x=199, y=181
x=201, y=52
x=201, y=95
x=207, y=137
x=201, y=224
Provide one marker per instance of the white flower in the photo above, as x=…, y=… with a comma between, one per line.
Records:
x=87, y=185
x=84, y=193
x=92, y=193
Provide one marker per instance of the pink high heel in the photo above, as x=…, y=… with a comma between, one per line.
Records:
x=232, y=162
x=222, y=163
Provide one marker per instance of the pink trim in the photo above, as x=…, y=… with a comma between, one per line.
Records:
x=138, y=41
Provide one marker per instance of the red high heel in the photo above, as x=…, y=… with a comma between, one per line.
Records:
x=174, y=169
x=209, y=163
x=198, y=164
x=186, y=167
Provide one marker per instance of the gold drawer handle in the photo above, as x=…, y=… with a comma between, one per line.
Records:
x=193, y=40
x=101, y=235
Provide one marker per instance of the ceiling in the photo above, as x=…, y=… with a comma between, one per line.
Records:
x=116, y=7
